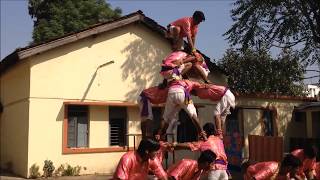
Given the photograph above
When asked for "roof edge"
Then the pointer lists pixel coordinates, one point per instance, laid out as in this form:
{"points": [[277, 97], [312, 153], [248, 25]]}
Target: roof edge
{"points": [[274, 96]]}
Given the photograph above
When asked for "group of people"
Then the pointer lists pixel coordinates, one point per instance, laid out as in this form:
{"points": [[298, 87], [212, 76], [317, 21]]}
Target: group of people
{"points": [[178, 68], [300, 164]]}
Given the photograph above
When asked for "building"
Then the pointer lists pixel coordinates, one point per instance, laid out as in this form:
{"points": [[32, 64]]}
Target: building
{"points": [[73, 99]]}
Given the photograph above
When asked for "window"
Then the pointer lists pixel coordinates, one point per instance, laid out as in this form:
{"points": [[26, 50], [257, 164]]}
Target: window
{"points": [[118, 126], [233, 123], [300, 116], [268, 123], [77, 126], [186, 130]]}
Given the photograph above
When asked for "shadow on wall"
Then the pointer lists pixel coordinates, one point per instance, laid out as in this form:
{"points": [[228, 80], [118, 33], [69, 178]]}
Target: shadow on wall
{"points": [[142, 65]]}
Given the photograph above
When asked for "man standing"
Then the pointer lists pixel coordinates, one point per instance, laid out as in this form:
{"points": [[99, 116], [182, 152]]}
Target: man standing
{"points": [[185, 27]]}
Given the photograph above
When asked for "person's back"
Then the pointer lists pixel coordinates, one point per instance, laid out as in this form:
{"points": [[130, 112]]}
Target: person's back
{"points": [[212, 92], [186, 169], [307, 156], [135, 165], [262, 170], [131, 167], [187, 26]]}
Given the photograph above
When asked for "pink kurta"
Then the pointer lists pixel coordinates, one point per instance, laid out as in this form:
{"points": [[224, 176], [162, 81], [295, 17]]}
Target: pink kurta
{"points": [[131, 167], [263, 170], [307, 164], [174, 56], [215, 144], [213, 93], [187, 26], [186, 169], [156, 95]]}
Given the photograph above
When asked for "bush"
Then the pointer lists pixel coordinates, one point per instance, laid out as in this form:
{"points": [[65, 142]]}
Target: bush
{"points": [[67, 170], [34, 171], [48, 168]]}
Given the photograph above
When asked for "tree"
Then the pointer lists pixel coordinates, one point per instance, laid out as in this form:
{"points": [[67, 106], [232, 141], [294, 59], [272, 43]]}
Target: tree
{"points": [[278, 23], [257, 72], [54, 18]]}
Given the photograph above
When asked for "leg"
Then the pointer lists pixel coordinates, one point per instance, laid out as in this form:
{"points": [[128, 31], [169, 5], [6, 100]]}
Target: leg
{"points": [[192, 112], [146, 116], [170, 112], [175, 35], [146, 128], [217, 122], [201, 72]]}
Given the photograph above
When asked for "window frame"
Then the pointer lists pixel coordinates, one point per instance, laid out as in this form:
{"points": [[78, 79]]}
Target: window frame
{"points": [[72, 150], [88, 127], [274, 111]]}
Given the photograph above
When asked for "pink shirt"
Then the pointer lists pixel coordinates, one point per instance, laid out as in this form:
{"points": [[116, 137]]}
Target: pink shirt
{"points": [[215, 144], [131, 167], [307, 164], [186, 169], [263, 170], [174, 56], [156, 95], [214, 93], [187, 27]]}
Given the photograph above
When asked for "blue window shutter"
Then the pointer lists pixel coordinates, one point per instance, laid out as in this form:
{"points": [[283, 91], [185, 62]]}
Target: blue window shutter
{"points": [[72, 131], [82, 133]]}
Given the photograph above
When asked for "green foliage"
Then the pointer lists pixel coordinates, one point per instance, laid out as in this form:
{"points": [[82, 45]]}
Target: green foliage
{"points": [[256, 72], [68, 170], [34, 171], [54, 18], [277, 23], [48, 168]]}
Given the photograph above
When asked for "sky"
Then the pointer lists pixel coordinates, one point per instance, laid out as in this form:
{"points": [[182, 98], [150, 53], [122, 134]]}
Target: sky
{"points": [[16, 23]]}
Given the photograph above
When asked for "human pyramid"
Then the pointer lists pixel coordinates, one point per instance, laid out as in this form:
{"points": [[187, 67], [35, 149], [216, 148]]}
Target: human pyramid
{"points": [[175, 92]]}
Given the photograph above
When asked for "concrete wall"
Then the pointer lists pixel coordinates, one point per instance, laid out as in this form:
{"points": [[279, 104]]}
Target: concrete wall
{"points": [[14, 126], [71, 73]]}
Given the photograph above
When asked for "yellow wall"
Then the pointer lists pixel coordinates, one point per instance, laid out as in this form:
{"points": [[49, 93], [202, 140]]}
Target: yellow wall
{"points": [[46, 132], [252, 117], [14, 118], [70, 73]]}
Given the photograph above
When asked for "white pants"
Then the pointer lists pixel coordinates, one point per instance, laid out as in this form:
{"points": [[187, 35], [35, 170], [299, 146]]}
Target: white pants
{"points": [[176, 102], [218, 175], [223, 106], [140, 103]]}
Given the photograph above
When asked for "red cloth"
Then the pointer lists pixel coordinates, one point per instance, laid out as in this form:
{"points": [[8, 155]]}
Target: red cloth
{"points": [[187, 26], [263, 170], [213, 93], [307, 164], [215, 144], [156, 95], [186, 169], [131, 167], [317, 171]]}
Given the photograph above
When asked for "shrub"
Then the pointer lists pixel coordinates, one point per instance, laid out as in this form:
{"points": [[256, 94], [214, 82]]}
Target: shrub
{"points": [[34, 171], [48, 168], [67, 170]]}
